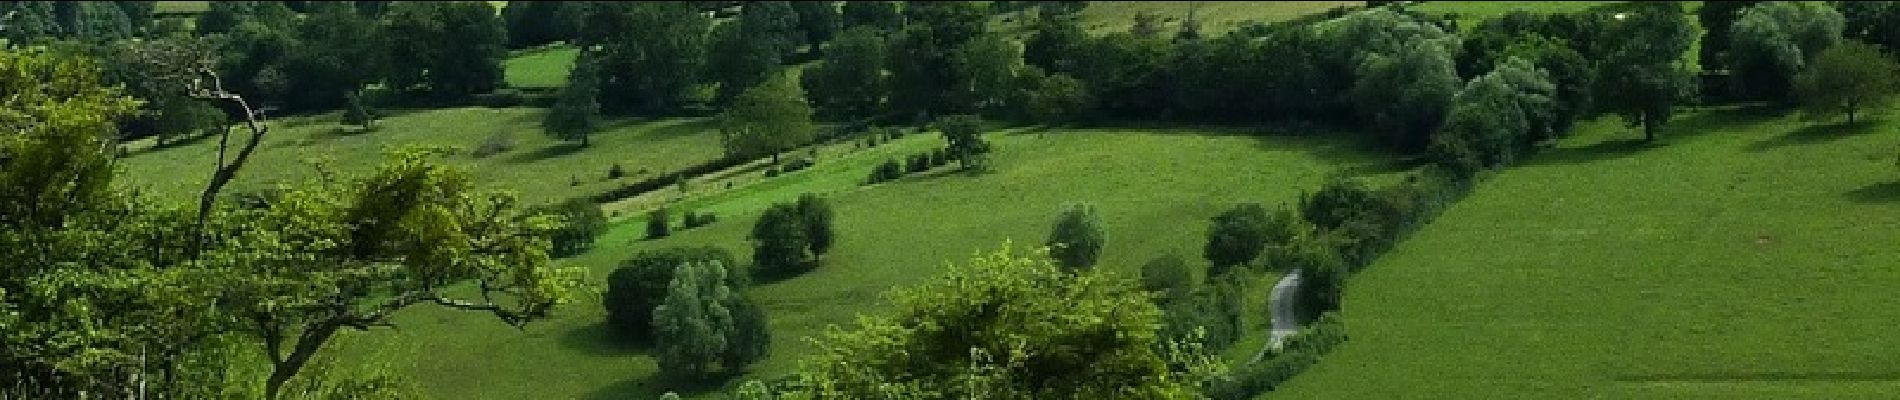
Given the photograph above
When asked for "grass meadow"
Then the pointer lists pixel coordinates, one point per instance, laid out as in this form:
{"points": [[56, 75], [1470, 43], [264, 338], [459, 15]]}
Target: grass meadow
{"points": [[540, 68], [1747, 254], [1156, 190]]}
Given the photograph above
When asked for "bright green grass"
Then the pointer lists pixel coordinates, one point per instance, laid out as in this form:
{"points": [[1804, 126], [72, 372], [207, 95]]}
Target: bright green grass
{"points": [[1476, 10], [1215, 16], [1747, 255], [540, 168], [543, 68], [1155, 190]]}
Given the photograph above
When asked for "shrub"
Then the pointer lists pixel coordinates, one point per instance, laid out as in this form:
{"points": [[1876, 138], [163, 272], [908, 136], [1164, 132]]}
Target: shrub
{"points": [[1213, 310], [1076, 240], [816, 214], [657, 225], [582, 221], [887, 171], [1236, 237], [917, 163], [939, 157], [1167, 276], [639, 284], [1300, 351], [500, 142], [771, 172], [696, 219], [616, 172], [781, 245]]}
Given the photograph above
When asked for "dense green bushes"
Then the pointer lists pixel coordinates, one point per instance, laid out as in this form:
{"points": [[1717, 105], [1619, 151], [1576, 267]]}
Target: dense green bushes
{"points": [[582, 221], [639, 284], [790, 238], [1076, 240], [706, 324], [1299, 352]]}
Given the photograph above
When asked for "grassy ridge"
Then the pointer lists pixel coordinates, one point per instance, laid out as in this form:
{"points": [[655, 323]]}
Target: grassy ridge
{"points": [[540, 169], [1747, 255], [1155, 189]]}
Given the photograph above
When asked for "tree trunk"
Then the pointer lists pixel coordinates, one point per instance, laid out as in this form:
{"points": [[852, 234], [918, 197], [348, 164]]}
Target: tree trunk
{"points": [[1649, 128], [1850, 116], [307, 345]]}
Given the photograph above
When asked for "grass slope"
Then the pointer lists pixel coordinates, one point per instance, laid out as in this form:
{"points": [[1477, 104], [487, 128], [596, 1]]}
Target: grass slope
{"points": [[1746, 255], [540, 68], [1155, 190], [539, 168], [1215, 16]]}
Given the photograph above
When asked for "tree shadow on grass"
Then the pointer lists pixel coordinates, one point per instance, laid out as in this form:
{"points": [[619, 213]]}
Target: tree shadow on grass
{"points": [[1600, 151], [601, 339], [1887, 192], [545, 153], [654, 385], [1813, 134]]}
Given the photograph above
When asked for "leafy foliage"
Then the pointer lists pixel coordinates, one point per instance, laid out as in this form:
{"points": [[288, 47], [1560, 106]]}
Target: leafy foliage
{"points": [[1236, 237], [849, 81], [705, 322], [640, 282], [1847, 78], [767, 119], [576, 113], [651, 53], [1773, 40], [1006, 326], [1642, 75], [1076, 240]]}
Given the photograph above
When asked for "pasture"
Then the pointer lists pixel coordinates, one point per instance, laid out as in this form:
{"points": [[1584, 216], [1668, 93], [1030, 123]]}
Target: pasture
{"points": [[1747, 254], [1156, 190]]}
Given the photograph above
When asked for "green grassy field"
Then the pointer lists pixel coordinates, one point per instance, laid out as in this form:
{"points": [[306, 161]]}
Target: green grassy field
{"points": [[540, 168], [1746, 255], [540, 68], [1156, 189], [1215, 16]]}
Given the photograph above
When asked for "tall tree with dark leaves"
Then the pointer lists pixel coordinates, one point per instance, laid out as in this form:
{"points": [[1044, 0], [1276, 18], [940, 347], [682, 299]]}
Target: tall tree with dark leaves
{"points": [[1643, 76], [576, 114], [775, 23], [849, 81], [923, 76], [652, 53], [881, 15], [738, 61], [817, 20]]}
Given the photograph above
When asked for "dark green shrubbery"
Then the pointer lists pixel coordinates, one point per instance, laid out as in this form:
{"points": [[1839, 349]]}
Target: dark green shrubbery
{"points": [[790, 238], [640, 283], [657, 224], [1276, 367], [885, 172], [694, 219], [582, 221]]}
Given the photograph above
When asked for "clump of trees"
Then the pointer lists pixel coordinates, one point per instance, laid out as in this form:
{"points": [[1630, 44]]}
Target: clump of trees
{"points": [[581, 222], [1077, 239], [1644, 75], [791, 238], [1772, 41], [706, 324], [640, 283]]}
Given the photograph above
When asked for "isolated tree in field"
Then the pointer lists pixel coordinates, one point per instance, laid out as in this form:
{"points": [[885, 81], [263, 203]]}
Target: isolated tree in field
{"points": [[768, 119], [738, 61], [357, 113], [816, 214], [1078, 236], [781, 244], [1643, 76], [1772, 41], [1236, 237], [576, 113], [658, 225], [705, 324], [652, 53], [964, 132], [1006, 326], [849, 81], [1847, 78], [639, 284]]}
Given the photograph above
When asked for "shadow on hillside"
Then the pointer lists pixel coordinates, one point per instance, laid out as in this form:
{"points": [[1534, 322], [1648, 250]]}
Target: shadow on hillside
{"points": [[1886, 192], [1813, 134], [1600, 151], [654, 384], [600, 339], [556, 150]]}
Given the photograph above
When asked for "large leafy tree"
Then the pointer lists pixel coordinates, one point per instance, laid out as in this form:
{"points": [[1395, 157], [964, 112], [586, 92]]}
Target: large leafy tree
{"points": [[1497, 116], [639, 284], [1008, 326], [534, 23], [576, 113], [965, 135], [652, 53], [781, 245], [1716, 17], [452, 49], [335, 54], [923, 74], [738, 61], [879, 15], [768, 119], [1847, 78], [987, 68], [706, 324], [818, 21], [1236, 237], [1643, 76], [1772, 41], [849, 81], [775, 24], [1874, 22]]}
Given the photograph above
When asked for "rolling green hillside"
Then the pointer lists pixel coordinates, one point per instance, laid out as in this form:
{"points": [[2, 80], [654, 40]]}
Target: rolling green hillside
{"points": [[1746, 255]]}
